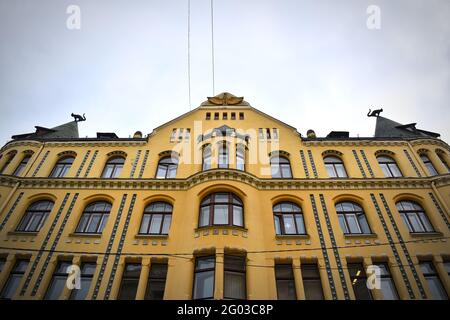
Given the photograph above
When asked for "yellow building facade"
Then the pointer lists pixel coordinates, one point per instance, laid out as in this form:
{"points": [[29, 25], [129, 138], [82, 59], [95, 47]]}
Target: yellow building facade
{"points": [[225, 202]]}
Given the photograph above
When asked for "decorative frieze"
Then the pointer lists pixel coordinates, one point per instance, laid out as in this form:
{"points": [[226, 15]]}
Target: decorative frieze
{"points": [[226, 174]]}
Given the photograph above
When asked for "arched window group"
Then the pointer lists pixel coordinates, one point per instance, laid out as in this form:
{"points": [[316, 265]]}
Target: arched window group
{"points": [[428, 164], [389, 167], [22, 165], [335, 167], [288, 218], [156, 219], [352, 218], [113, 167], [280, 167], [414, 217], [222, 208], [94, 218], [167, 168], [35, 216], [226, 209], [62, 167], [223, 160]]}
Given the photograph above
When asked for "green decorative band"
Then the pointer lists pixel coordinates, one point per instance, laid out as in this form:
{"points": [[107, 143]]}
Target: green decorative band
{"points": [[324, 248], [109, 248]]}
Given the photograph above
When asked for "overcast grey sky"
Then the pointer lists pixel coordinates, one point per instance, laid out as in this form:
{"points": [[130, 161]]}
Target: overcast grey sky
{"points": [[313, 64]]}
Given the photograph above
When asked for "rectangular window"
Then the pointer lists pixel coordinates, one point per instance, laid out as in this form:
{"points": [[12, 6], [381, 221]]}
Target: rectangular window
{"points": [[387, 283], [261, 134], [216, 116], [15, 277], [208, 116], [156, 281], [268, 133], [241, 116], [87, 273], [275, 133], [130, 281], [21, 166], [204, 277], [234, 277], [311, 282], [58, 281], [285, 282], [433, 281], [187, 135], [180, 134], [359, 279], [233, 116], [173, 135], [224, 116]]}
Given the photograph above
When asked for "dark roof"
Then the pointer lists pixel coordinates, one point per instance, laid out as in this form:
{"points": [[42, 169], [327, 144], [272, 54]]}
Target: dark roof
{"points": [[387, 128], [338, 134], [107, 135], [68, 130]]}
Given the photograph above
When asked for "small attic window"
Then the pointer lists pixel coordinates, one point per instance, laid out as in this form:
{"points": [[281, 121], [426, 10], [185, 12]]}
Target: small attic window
{"points": [[224, 116], [216, 116], [233, 116], [208, 116], [241, 116]]}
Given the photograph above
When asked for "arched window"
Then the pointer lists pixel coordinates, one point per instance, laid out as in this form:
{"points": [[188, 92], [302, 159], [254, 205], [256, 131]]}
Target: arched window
{"points": [[288, 219], [221, 209], [167, 168], [62, 167], [94, 218], [22, 165], [9, 157], [389, 167], [352, 218], [240, 157], [223, 156], [444, 162], [335, 167], [431, 169], [35, 216], [206, 160], [113, 167], [280, 167], [157, 218], [414, 217]]}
